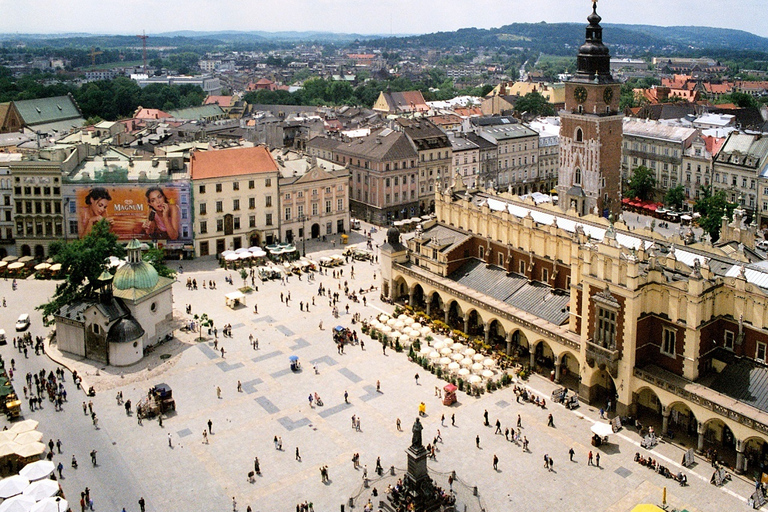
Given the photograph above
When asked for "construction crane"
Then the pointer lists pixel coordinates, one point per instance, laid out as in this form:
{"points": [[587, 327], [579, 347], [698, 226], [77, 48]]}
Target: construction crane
{"points": [[144, 38], [93, 55]]}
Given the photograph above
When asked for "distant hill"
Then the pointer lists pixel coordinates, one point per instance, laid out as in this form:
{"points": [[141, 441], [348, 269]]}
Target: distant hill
{"points": [[561, 38]]}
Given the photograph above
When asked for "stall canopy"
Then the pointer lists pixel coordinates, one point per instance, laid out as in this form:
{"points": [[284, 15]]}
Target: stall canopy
{"points": [[235, 296], [602, 429]]}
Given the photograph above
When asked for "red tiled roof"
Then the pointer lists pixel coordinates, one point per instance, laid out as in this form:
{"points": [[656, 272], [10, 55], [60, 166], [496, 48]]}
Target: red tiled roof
{"points": [[230, 162], [150, 113], [264, 81], [222, 101], [713, 144]]}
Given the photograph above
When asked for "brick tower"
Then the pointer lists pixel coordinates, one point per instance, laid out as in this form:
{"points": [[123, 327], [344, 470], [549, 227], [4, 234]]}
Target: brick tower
{"points": [[591, 130]]}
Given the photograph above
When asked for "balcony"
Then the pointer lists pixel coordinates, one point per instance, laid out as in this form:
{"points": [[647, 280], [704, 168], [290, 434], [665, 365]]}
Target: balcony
{"points": [[603, 358]]}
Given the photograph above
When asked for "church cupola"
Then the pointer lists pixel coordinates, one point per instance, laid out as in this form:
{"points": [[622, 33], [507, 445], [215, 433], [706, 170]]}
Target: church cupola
{"points": [[594, 59]]}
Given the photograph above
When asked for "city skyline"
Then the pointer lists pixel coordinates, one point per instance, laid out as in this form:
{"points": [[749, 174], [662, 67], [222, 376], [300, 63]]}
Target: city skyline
{"points": [[396, 17]]}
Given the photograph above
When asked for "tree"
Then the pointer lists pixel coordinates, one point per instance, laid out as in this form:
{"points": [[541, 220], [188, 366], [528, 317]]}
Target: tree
{"points": [[244, 276], [534, 104], [156, 257], [675, 197], [202, 321], [641, 184], [82, 262], [712, 208]]}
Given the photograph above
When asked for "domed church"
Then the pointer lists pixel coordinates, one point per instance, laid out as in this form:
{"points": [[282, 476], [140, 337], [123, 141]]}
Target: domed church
{"points": [[133, 309]]}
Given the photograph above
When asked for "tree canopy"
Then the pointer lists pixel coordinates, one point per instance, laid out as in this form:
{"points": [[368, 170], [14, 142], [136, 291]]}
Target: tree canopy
{"points": [[675, 197], [641, 184], [82, 262], [712, 208], [534, 104]]}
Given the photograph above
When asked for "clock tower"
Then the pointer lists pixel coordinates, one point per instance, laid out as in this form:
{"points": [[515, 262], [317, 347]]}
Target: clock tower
{"points": [[591, 127]]}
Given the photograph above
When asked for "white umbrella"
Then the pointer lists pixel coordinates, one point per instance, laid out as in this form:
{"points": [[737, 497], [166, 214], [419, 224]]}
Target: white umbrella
{"points": [[386, 329], [37, 470], [489, 363], [434, 356], [399, 325], [31, 436], [402, 317], [227, 253], [50, 505], [602, 429], [478, 357], [445, 361], [416, 325], [12, 486], [42, 489], [383, 317], [439, 345], [487, 374], [30, 449], [475, 379], [446, 351], [391, 322], [17, 504], [469, 352], [24, 426], [458, 347], [477, 367], [463, 372], [258, 253], [457, 357], [425, 331], [453, 367], [425, 350], [244, 255], [408, 320], [241, 250], [413, 334], [7, 436], [404, 339], [466, 362], [232, 257]]}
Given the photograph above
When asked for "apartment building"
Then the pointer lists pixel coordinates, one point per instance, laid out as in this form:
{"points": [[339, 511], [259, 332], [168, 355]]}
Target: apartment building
{"points": [[738, 168]]}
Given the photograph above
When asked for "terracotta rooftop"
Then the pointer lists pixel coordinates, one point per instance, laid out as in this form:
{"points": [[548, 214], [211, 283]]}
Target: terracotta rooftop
{"points": [[222, 101], [231, 162]]}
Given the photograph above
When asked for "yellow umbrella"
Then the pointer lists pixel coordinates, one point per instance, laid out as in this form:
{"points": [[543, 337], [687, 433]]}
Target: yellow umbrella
{"points": [[3, 264], [6, 436], [29, 450], [42, 266], [55, 267], [15, 266], [646, 507], [32, 436], [8, 448]]}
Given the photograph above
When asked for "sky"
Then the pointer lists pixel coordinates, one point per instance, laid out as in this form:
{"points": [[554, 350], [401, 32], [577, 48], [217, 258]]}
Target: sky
{"points": [[360, 16]]}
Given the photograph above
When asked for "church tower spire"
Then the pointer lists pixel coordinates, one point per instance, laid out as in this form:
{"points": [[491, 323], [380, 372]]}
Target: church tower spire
{"points": [[594, 59]]}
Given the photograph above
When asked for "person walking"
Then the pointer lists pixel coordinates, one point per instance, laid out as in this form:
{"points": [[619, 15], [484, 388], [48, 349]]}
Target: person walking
{"points": [[170, 440], [495, 462], [398, 425], [550, 421], [218, 392], [210, 426], [589, 458], [485, 418], [477, 441], [597, 459], [453, 420], [142, 504], [571, 453], [519, 421], [346, 397], [298, 456], [498, 427], [417, 378]]}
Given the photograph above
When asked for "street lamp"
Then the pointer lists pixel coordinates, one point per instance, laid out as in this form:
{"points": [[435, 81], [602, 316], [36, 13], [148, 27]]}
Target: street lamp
{"points": [[303, 220]]}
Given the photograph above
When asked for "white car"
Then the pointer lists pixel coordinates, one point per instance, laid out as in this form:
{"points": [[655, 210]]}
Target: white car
{"points": [[23, 322]]}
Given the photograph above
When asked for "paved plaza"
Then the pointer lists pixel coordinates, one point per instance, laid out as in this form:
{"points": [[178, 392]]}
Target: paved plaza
{"points": [[136, 460]]}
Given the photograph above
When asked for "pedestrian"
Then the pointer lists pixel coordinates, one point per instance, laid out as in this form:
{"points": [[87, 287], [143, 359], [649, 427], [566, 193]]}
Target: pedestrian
{"points": [[589, 458], [546, 460], [60, 468], [218, 392], [210, 425], [398, 425], [571, 453], [442, 420], [550, 421], [417, 378], [142, 504], [234, 504], [551, 464], [378, 386], [477, 441], [525, 443], [222, 352], [85, 409], [498, 427], [298, 456], [519, 421], [346, 397], [239, 387], [275, 441], [495, 462], [365, 472], [485, 418], [256, 466], [453, 420], [597, 459], [170, 440], [205, 437]]}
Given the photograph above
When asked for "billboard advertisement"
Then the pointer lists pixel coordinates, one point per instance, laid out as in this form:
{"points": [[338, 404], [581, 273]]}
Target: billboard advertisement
{"points": [[148, 212]]}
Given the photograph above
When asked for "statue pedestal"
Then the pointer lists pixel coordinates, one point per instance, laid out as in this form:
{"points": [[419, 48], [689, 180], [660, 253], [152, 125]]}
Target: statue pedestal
{"points": [[417, 463], [419, 487]]}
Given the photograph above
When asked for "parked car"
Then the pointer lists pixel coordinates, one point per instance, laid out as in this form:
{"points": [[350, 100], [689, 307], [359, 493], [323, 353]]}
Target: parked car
{"points": [[23, 322]]}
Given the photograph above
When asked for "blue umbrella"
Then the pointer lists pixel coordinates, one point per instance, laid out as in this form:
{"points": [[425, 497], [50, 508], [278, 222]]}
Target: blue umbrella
{"points": [[338, 328], [293, 358]]}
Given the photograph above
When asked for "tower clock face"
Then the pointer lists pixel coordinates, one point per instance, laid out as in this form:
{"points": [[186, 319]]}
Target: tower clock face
{"points": [[580, 93], [608, 95]]}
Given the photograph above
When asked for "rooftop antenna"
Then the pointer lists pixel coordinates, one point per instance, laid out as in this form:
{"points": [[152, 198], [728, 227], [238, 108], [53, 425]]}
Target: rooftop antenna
{"points": [[143, 38]]}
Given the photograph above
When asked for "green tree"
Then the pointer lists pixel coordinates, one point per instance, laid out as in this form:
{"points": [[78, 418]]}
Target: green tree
{"points": [[156, 257], [712, 208], [534, 104], [675, 197], [244, 276], [641, 184], [202, 321], [82, 262]]}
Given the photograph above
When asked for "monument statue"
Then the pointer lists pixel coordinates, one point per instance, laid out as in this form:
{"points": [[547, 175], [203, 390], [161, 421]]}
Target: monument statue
{"points": [[416, 440]]}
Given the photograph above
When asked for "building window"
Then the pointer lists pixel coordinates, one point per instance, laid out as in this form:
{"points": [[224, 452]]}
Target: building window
{"points": [[218, 187], [269, 219], [251, 184], [72, 227], [268, 200], [288, 213], [287, 196], [236, 221], [577, 177], [203, 209], [606, 328], [204, 249], [252, 221], [235, 185], [268, 182], [544, 275], [521, 266], [668, 342], [500, 259], [481, 252], [728, 340], [251, 203], [219, 207], [339, 205], [219, 224], [300, 210], [235, 204], [202, 189], [203, 227]]}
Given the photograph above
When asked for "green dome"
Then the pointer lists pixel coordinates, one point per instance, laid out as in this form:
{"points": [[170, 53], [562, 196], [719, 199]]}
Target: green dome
{"points": [[140, 275]]}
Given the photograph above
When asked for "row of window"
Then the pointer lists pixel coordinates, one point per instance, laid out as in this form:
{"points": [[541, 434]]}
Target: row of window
{"points": [[39, 228], [636, 146], [203, 226], [300, 209], [236, 185], [38, 207], [300, 193], [37, 191]]}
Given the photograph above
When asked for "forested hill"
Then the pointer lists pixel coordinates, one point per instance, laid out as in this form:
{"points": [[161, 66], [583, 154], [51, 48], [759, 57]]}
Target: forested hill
{"points": [[561, 38]]}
